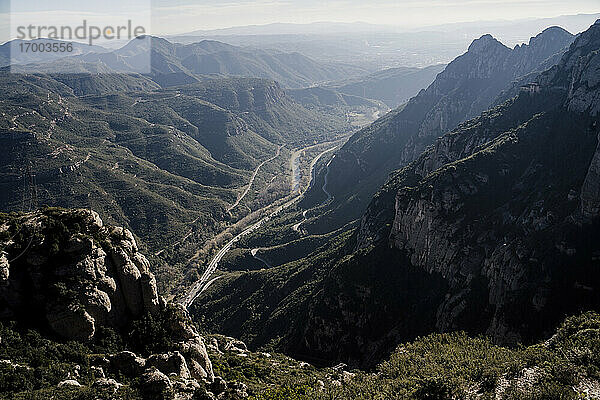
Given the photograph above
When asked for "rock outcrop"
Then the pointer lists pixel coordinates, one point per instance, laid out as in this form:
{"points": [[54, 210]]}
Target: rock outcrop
{"points": [[76, 272], [169, 363], [492, 210], [65, 272]]}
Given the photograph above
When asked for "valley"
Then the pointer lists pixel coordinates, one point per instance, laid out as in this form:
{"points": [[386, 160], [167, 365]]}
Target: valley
{"points": [[330, 278], [268, 212]]}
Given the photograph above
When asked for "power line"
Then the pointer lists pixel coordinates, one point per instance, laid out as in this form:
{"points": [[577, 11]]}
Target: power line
{"points": [[29, 198]]}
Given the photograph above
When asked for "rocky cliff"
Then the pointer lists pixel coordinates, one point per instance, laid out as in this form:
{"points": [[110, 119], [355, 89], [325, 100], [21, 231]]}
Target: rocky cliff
{"points": [[492, 223], [468, 85], [67, 275], [75, 271], [502, 207]]}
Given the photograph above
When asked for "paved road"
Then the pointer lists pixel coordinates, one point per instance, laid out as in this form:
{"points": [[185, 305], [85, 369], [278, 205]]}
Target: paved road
{"points": [[237, 202], [205, 280], [297, 226], [191, 230]]}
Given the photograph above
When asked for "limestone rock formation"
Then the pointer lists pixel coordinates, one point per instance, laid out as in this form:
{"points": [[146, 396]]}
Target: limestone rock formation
{"points": [[78, 271], [170, 363], [155, 385], [65, 271], [489, 209], [197, 358], [127, 363]]}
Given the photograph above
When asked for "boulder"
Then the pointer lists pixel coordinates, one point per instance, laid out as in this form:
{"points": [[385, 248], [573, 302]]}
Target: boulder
{"points": [[180, 324], [127, 363], [155, 385], [199, 363], [101, 267], [204, 395], [213, 344], [4, 269], [107, 384], [235, 345], [170, 363], [219, 385], [98, 305], [69, 382], [98, 371], [71, 322], [240, 390]]}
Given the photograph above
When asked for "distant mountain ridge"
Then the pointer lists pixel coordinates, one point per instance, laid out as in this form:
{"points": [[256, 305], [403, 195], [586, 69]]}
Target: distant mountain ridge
{"points": [[182, 63], [393, 86]]}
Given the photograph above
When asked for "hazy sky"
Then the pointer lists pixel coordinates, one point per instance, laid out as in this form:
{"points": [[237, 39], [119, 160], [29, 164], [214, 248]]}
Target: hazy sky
{"points": [[179, 16], [187, 15]]}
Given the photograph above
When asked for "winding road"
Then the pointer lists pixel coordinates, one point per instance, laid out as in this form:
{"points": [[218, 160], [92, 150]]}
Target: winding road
{"points": [[237, 202], [296, 227], [254, 253], [205, 280]]}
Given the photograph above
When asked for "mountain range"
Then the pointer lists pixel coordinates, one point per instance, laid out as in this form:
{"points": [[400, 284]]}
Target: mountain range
{"points": [[393, 86], [377, 47], [489, 229], [468, 85], [164, 162], [173, 63]]}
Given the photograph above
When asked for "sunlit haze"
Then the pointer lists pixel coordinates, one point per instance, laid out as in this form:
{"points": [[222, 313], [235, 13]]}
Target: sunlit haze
{"points": [[182, 16]]}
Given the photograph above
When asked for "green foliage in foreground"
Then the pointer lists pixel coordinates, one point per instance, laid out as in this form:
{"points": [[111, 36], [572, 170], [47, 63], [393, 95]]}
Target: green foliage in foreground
{"points": [[32, 366], [445, 366], [438, 366]]}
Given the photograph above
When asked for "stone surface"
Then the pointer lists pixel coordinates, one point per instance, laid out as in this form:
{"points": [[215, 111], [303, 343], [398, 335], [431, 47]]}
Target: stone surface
{"points": [[127, 363], [199, 363], [4, 269], [469, 85], [73, 323], [107, 384], [102, 264], [155, 385], [170, 363], [78, 276], [69, 382], [590, 191], [219, 385]]}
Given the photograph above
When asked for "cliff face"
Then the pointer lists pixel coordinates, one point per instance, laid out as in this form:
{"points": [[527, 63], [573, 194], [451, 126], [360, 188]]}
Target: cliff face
{"points": [[493, 229], [511, 211], [65, 273], [468, 86]]}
